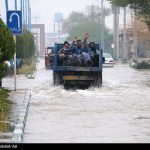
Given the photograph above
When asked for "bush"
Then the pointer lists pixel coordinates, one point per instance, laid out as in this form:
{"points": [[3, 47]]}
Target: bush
{"points": [[4, 70], [5, 107], [7, 48], [7, 45], [143, 65], [25, 46]]}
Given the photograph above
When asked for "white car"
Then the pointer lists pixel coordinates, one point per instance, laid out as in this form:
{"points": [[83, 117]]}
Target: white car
{"points": [[108, 58], [8, 63]]}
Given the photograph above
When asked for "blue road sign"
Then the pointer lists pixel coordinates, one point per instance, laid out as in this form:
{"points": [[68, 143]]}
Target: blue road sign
{"points": [[14, 21]]}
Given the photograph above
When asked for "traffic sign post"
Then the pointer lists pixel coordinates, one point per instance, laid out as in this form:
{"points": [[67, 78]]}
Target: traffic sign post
{"points": [[15, 72], [14, 22]]}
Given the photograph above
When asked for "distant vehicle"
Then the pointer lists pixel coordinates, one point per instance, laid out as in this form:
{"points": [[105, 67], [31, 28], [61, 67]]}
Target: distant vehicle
{"points": [[8, 63], [49, 57], [11, 63], [108, 58], [11, 66]]}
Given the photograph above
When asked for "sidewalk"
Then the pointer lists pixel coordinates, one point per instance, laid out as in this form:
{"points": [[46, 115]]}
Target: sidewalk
{"points": [[17, 98]]}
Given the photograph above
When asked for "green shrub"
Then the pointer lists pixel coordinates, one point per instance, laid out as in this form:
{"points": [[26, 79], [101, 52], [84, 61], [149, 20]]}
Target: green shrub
{"points": [[5, 104], [25, 46], [7, 48], [143, 65]]}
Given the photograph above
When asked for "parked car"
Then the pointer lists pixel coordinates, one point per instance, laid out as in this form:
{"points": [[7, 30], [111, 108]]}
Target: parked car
{"points": [[11, 63], [49, 54], [8, 63], [108, 58]]}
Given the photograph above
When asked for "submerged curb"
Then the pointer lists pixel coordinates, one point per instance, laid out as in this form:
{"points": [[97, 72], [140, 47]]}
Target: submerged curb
{"points": [[32, 76], [20, 125]]}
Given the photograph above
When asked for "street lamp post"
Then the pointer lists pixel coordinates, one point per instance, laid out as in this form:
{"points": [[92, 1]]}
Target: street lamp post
{"points": [[6, 3], [102, 25], [115, 11], [124, 37], [54, 32], [135, 42], [58, 19], [59, 32], [102, 34], [15, 4]]}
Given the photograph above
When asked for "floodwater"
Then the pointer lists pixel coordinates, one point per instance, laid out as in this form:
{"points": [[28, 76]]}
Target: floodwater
{"points": [[117, 112]]}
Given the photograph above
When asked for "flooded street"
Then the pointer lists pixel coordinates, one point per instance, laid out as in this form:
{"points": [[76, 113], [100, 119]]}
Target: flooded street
{"points": [[116, 112], [76, 37]]}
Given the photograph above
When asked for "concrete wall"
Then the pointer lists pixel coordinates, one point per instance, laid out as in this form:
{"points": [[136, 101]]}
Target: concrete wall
{"points": [[42, 37]]}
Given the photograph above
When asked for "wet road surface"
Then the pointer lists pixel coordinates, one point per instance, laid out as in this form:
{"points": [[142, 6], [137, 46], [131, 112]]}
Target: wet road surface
{"points": [[116, 112]]}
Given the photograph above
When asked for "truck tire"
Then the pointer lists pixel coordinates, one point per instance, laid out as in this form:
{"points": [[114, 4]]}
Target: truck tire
{"points": [[101, 77], [98, 79], [56, 79]]}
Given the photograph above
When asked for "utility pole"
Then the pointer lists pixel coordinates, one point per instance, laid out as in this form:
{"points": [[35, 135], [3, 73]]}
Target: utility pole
{"points": [[6, 3], [23, 13], [115, 10], [124, 37], [117, 35], [135, 39], [58, 19], [54, 33], [102, 25], [15, 4], [26, 12], [21, 8], [59, 32], [29, 16]]}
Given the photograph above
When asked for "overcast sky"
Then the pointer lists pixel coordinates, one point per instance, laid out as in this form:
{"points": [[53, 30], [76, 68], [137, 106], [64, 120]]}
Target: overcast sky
{"points": [[43, 10]]}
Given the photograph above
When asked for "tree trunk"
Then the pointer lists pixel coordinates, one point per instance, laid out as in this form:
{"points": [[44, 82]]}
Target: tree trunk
{"points": [[0, 83]]}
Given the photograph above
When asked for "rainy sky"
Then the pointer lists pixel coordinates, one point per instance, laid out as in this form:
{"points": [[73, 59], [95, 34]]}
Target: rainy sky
{"points": [[43, 10]]}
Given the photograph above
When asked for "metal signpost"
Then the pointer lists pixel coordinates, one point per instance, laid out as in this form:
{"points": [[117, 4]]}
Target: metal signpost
{"points": [[14, 22]]}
